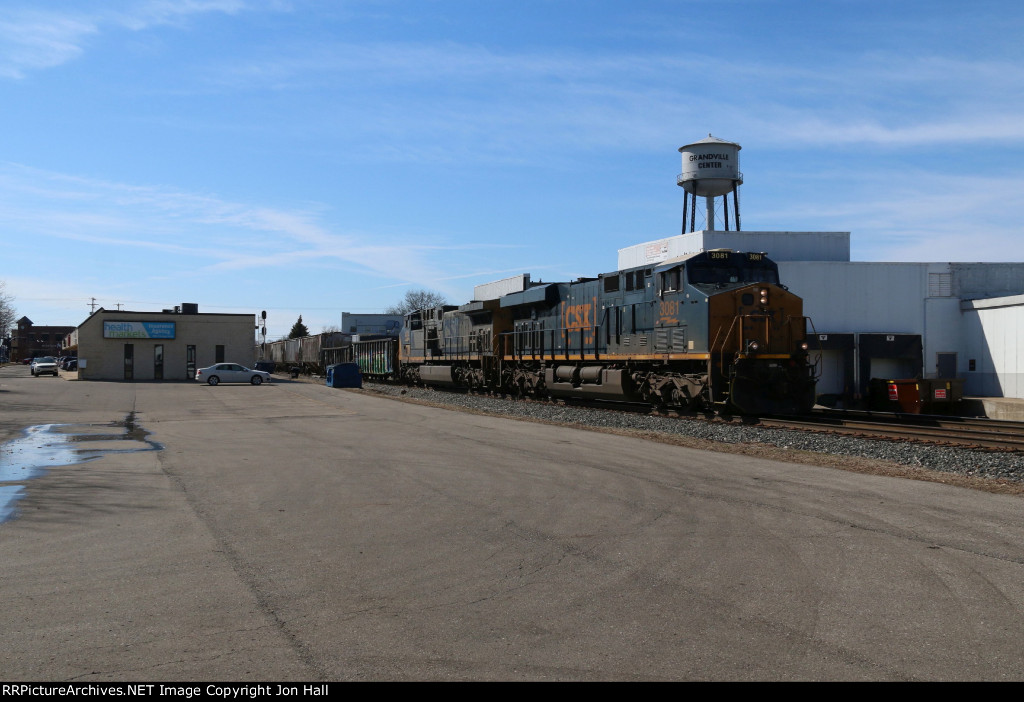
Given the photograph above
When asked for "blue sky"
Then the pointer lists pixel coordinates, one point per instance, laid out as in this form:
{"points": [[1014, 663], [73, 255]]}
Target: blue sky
{"points": [[318, 156]]}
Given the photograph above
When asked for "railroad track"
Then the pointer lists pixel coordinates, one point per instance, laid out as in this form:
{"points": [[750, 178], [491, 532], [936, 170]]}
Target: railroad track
{"points": [[985, 434], [960, 432]]}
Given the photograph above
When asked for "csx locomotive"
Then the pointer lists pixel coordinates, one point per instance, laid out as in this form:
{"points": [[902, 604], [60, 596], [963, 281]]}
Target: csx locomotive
{"points": [[712, 331]]}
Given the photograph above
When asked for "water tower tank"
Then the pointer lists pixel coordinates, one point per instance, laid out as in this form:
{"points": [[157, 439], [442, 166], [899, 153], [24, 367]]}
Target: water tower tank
{"points": [[711, 167]]}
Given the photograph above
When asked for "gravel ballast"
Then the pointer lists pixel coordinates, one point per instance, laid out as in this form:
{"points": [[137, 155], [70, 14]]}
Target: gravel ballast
{"points": [[992, 471]]}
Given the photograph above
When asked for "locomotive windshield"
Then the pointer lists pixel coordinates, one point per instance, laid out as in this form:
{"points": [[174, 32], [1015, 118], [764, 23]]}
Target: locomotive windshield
{"points": [[728, 268]]}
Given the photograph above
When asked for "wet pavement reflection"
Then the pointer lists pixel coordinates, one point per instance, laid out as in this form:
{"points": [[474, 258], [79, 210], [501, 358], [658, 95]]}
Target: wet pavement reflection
{"points": [[47, 446]]}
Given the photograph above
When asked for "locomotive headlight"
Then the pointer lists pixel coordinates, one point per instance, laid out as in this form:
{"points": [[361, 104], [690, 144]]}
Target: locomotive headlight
{"points": [[753, 346], [803, 346], [764, 295]]}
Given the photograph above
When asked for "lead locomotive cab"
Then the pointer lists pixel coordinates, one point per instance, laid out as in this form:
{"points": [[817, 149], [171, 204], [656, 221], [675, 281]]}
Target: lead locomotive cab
{"points": [[757, 334]]}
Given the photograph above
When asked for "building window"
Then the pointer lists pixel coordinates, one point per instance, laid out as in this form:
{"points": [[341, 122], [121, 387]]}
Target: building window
{"points": [[219, 354]]}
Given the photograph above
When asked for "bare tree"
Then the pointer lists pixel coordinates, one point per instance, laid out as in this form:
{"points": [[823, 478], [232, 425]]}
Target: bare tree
{"points": [[7, 312], [417, 300]]}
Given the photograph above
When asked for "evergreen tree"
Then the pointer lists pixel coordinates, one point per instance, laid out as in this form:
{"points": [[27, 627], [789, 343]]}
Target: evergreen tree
{"points": [[298, 329]]}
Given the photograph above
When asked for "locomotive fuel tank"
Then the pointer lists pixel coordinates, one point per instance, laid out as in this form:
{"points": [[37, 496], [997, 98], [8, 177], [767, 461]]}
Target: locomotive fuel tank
{"points": [[592, 382]]}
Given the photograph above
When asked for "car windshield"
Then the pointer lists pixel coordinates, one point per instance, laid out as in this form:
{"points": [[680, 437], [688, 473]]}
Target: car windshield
{"points": [[46, 359]]}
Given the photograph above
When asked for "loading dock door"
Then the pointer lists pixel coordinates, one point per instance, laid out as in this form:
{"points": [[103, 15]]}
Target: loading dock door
{"points": [[831, 380], [891, 356], [833, 354]]}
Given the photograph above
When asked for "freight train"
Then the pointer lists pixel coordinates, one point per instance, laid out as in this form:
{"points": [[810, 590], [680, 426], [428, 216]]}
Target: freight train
{"points": [[712, 331], [310, 353]]}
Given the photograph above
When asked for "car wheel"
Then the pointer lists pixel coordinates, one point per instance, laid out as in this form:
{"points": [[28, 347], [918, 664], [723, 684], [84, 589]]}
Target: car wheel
{"points": [[256, 380], [33, 373], [213, 380]]}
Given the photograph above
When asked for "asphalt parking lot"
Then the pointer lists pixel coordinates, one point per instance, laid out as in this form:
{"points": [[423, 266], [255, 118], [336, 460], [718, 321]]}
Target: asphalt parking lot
{"points": [[297, 532]]}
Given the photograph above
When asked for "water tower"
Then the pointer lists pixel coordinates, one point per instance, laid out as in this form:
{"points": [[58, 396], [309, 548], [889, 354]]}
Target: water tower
{"points": [[711, 168]]}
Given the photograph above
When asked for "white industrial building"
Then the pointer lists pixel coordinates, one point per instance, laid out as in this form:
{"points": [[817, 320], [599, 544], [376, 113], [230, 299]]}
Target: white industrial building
{"points": [[994, 337]]}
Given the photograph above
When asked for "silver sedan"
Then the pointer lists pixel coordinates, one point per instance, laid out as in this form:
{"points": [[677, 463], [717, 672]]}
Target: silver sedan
{"points": [[231, 373]]}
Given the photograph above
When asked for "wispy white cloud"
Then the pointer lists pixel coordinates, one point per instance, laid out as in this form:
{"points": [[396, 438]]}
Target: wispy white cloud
{"points": [[34, 39], [911, 215], [470, 99], [212, 234]]}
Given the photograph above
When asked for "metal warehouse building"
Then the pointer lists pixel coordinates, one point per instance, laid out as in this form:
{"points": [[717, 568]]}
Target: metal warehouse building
{"points": [[995, 342], [886, 320], [167, 345]]}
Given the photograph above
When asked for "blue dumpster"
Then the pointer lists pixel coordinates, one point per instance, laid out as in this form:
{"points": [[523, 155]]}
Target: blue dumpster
{"points": [[344, 375]]}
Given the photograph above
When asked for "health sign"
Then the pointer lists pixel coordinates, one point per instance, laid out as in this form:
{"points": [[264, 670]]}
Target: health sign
{"points": [[138, 330]]}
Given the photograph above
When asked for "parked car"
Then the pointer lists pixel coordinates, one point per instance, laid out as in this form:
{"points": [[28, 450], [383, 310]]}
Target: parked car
{"points": [[43, 365], [231, 373], [69, 364]]}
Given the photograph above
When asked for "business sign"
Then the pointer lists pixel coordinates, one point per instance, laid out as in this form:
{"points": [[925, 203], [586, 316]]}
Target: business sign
{"points": [[138, 330]]}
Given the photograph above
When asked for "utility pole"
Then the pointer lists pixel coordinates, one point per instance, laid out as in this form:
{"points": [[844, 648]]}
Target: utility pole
{"points": [[92, 306]]}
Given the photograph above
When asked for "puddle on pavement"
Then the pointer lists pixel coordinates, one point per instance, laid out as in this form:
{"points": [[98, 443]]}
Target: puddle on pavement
{"points": [[47, 446]]}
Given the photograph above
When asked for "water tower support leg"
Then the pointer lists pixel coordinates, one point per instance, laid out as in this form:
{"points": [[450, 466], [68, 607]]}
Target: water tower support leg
{"points": [[686, 201], [736, 204]]}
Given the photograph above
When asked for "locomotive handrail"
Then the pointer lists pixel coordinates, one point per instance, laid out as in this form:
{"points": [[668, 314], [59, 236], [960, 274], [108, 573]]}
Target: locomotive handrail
{"points": [[542, 345], [711, 349], [821, 351]]}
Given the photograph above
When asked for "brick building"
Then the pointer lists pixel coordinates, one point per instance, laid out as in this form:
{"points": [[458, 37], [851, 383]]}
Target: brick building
{"points": [[29, 340]]}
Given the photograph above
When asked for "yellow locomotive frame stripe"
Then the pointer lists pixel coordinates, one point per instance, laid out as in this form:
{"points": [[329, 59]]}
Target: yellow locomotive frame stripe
{"points": [[777, 356], [441, 360], [595, 357]]}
